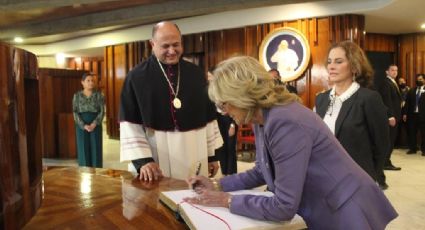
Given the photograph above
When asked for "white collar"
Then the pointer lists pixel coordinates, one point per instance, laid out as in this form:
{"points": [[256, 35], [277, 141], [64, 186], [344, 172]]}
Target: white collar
{"points": [[347, 94]]}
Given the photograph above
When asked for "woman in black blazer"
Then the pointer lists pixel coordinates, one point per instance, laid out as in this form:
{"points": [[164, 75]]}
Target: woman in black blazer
{"points": [[354, 113]]}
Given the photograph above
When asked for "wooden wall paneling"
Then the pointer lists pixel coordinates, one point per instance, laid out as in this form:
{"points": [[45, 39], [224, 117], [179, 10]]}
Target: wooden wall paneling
{"points": [[70, 63], [314, 30], [121, 70], [414, 56], [109, 82], [420, 52], [57, 87], [421, 62], [119, 61], [67, 147], [199, 43], [188, 43], [132, 50], [87, 65], [252, 43], [380, 42], [109, 89], [347, 28], [215, 53], [234, 42], [206, 41], [193, 43], [410, 66], [411, 60], [336, 29], [316, 79], [360, 28], [405, 64], [46, 109]]}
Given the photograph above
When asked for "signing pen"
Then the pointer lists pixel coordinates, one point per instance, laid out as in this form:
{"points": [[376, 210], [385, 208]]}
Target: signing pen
{"points": [[198, 170]]}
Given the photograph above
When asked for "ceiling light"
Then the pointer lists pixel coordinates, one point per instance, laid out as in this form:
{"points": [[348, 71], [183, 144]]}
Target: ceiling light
{"points": [[18, 39], [423, 26]]}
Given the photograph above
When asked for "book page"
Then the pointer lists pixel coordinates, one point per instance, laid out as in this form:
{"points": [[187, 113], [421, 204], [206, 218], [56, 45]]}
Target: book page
{"points": [[202, 217]]}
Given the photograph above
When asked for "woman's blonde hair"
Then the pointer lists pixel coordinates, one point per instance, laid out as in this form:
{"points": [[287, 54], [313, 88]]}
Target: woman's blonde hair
{"points": [[244, 83]]}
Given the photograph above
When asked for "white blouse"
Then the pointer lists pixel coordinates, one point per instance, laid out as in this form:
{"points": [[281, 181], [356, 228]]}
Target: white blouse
{"points": [[336, 104]]}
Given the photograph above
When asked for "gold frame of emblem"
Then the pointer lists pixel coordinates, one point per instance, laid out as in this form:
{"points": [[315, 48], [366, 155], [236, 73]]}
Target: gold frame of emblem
{"points": [[296, 34]]}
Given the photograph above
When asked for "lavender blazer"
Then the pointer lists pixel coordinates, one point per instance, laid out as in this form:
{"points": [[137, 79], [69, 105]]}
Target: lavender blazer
{"points": [[310, 173]]}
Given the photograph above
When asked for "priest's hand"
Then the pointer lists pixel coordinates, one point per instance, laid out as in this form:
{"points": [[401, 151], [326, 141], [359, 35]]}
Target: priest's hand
{"points": [[211, 198], [150, 172], [213, 168]]}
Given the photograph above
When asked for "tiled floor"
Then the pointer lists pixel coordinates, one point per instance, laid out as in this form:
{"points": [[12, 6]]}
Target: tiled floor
{"points": [[406, 191]]}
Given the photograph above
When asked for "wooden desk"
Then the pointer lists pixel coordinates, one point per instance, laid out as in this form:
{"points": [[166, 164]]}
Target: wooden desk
{"points": [[88, 198]]}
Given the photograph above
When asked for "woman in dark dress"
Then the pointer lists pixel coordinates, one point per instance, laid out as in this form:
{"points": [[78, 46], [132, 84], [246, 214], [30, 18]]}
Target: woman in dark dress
{"points": [[88, 110]]}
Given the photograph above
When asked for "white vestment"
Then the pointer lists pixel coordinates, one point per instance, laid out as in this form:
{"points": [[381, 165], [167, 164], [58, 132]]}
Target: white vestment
{"points": [[176, 152]]}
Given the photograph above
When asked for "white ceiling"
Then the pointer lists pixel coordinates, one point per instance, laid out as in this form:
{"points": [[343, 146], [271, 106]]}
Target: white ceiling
{"points": [[396, 17], [382, 16]]}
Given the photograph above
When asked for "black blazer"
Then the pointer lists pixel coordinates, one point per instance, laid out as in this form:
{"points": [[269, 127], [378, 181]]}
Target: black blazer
{"points": [[392, 98], [361, 128], [409, 106]]}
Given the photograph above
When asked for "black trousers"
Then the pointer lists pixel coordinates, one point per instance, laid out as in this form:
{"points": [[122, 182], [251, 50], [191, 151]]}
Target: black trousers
{"points": [[227, 153], [380, 177], [413, 126], [393, 137]]}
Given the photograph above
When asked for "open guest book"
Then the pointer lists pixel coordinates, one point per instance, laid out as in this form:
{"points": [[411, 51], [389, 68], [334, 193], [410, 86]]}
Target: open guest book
{"points": [[203, 218]]}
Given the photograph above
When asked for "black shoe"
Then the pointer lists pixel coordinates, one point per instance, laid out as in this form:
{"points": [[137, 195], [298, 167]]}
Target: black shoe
{"points": [[411, 152], [392, 167], [383, 186], [423, 154]]}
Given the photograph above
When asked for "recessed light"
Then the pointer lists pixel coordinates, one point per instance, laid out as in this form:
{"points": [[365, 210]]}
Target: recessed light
{"points": [[18, 39]]}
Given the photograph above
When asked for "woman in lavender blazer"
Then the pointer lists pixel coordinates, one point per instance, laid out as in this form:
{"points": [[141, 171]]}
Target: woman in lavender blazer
{"points": [[297, 157]]}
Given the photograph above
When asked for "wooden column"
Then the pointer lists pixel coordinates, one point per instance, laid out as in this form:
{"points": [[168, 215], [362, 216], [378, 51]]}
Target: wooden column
{"points": [[20, 138]]}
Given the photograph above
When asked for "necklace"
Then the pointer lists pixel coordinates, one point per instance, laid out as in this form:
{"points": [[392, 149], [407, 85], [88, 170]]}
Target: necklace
{"points": [[176, 101]]}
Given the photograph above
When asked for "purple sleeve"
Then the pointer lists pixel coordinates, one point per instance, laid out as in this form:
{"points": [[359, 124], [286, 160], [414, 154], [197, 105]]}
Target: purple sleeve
{"points": [[250, 179], [290, 146]]}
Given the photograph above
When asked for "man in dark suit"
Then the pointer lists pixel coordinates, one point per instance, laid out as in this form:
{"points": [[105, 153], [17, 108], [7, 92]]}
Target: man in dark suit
{"points": [[414, 114], [276, 75], [392, 99]]}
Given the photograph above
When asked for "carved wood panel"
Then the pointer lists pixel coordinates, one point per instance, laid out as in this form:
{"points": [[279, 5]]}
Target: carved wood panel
{"points": [[20, 145], [57, 87]]}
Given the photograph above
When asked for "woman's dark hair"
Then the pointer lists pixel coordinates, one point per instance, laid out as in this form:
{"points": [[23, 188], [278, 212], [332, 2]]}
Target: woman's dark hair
{"points": [[85, 76], [360, 66]]}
